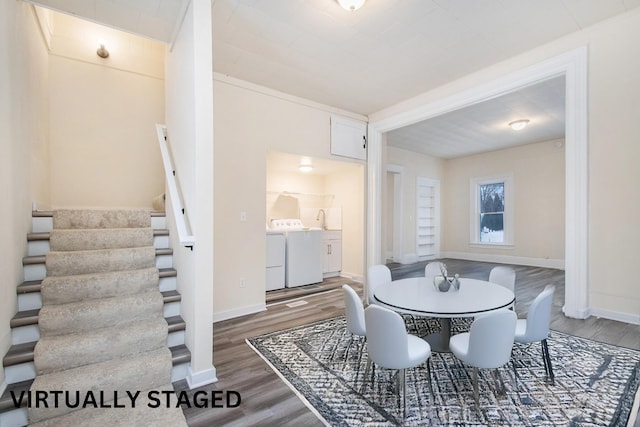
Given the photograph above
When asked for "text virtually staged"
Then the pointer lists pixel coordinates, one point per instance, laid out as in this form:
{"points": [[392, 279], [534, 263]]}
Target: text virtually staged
{"points": [[128, 399]]}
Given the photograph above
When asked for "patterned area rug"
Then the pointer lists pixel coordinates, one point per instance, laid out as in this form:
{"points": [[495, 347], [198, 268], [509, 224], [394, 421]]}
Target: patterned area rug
{"points": [[595, 383]]}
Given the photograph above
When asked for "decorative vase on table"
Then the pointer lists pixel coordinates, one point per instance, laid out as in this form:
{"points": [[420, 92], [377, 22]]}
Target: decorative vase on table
{"points": [[441, 283], [445, 283]]}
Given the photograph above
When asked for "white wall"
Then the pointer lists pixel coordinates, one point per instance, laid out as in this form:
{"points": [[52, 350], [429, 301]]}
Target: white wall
{"points": [[103, 116], [189, 113], [24, 86], [310, 189], [612, 145], [614, 199], [348, 187], [538, 180], [250, 122]]}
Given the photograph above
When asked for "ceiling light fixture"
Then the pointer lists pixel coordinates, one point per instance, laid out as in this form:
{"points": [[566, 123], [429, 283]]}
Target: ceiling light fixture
{"points": [[351, 5], [305, 168], [519, 124], [102, 51]]}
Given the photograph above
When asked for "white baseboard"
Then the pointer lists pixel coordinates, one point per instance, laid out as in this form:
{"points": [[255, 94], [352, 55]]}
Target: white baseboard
{"points": [[633, 319], [243, 311], [506, 259], [198, 379]]}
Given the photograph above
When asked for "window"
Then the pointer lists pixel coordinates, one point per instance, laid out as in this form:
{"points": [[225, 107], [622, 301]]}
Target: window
{"points": [[491, 210]]}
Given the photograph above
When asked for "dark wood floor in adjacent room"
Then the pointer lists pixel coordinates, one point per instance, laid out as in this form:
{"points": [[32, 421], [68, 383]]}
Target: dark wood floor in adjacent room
{"points": [[268, 401]]}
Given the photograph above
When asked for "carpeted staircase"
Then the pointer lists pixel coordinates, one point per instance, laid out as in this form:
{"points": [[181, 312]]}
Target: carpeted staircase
{"points": [[102, 327]]}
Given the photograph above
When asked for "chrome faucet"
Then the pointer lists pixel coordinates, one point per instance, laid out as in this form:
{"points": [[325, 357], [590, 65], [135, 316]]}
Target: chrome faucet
{"points": [[324, 218]]}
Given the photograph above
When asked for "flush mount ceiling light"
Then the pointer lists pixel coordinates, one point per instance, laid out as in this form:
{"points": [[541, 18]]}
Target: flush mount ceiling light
{"points": [[519, 124], [305, 168], [351, 5]]}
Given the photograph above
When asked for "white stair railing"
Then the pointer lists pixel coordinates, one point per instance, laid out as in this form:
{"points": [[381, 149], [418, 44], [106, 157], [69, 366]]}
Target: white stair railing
{"points": [[185, 236]]}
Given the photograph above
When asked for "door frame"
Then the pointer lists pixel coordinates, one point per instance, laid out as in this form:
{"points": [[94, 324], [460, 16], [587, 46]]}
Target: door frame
{"points": [[398, 208]]}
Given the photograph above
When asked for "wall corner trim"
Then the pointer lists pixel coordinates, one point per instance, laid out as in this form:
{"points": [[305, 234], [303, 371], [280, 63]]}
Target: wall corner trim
{"points": [[201, 378]]}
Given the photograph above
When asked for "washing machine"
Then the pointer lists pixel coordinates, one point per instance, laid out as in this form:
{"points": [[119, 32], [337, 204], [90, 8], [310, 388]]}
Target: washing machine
{"points": [[303, 260]]}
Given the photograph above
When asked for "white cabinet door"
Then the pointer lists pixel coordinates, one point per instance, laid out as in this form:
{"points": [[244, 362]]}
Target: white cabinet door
{"points": [[332, 244], [332, 256], [348, 137]]}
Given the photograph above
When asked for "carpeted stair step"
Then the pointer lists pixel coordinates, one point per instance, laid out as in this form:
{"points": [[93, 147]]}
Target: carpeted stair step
{"points": [[99, 261], [38, 242], [143, 371], [93, 239], [42, 221], [24, 324], [179, 354], [144, 413], [30, 317], [95, 314], [33, 286], [70, 218], [67, 289], [23, 353], [60, 352], [34, 265]]}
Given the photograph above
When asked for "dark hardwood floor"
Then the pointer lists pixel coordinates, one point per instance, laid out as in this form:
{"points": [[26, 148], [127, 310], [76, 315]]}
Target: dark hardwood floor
{"points": [[268, 401]]}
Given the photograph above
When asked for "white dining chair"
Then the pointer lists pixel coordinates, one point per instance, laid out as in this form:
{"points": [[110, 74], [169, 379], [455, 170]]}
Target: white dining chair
{"points": [[376, 275], [431, 270], [391, 347], [536, 326], [488, 343], [506, 277], [354, 312]]}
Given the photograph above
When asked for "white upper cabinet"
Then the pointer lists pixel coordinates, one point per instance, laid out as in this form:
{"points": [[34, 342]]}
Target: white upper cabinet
{"points": [[348, 137]]}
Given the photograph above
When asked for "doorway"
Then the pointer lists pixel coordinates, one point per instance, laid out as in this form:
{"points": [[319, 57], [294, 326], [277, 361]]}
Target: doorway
{"points": [[573, 66], [329, 194]]}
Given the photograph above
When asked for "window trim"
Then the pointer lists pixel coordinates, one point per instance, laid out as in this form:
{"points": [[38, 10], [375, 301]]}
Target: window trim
{"points": [[474, 209]]}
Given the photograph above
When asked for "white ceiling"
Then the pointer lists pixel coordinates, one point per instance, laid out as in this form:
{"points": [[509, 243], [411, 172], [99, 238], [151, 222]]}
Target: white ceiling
{"points": [[154, 19], [485, 126], [389, 50], [384, 53]]}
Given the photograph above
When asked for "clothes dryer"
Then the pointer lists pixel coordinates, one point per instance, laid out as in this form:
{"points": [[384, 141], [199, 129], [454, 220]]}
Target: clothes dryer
{"points": [[303, 262]]}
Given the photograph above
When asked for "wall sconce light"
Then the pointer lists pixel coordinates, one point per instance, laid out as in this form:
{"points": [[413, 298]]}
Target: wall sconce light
{"points": [[305, 168], [519, 124], [351, 5], [102, 51]]}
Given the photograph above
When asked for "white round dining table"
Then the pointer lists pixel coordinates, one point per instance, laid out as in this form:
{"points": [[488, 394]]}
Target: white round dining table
{"points": [[417, 296]]}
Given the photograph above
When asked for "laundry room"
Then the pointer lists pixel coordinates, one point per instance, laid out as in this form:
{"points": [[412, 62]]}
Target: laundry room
{"points": [[315, 215]]}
